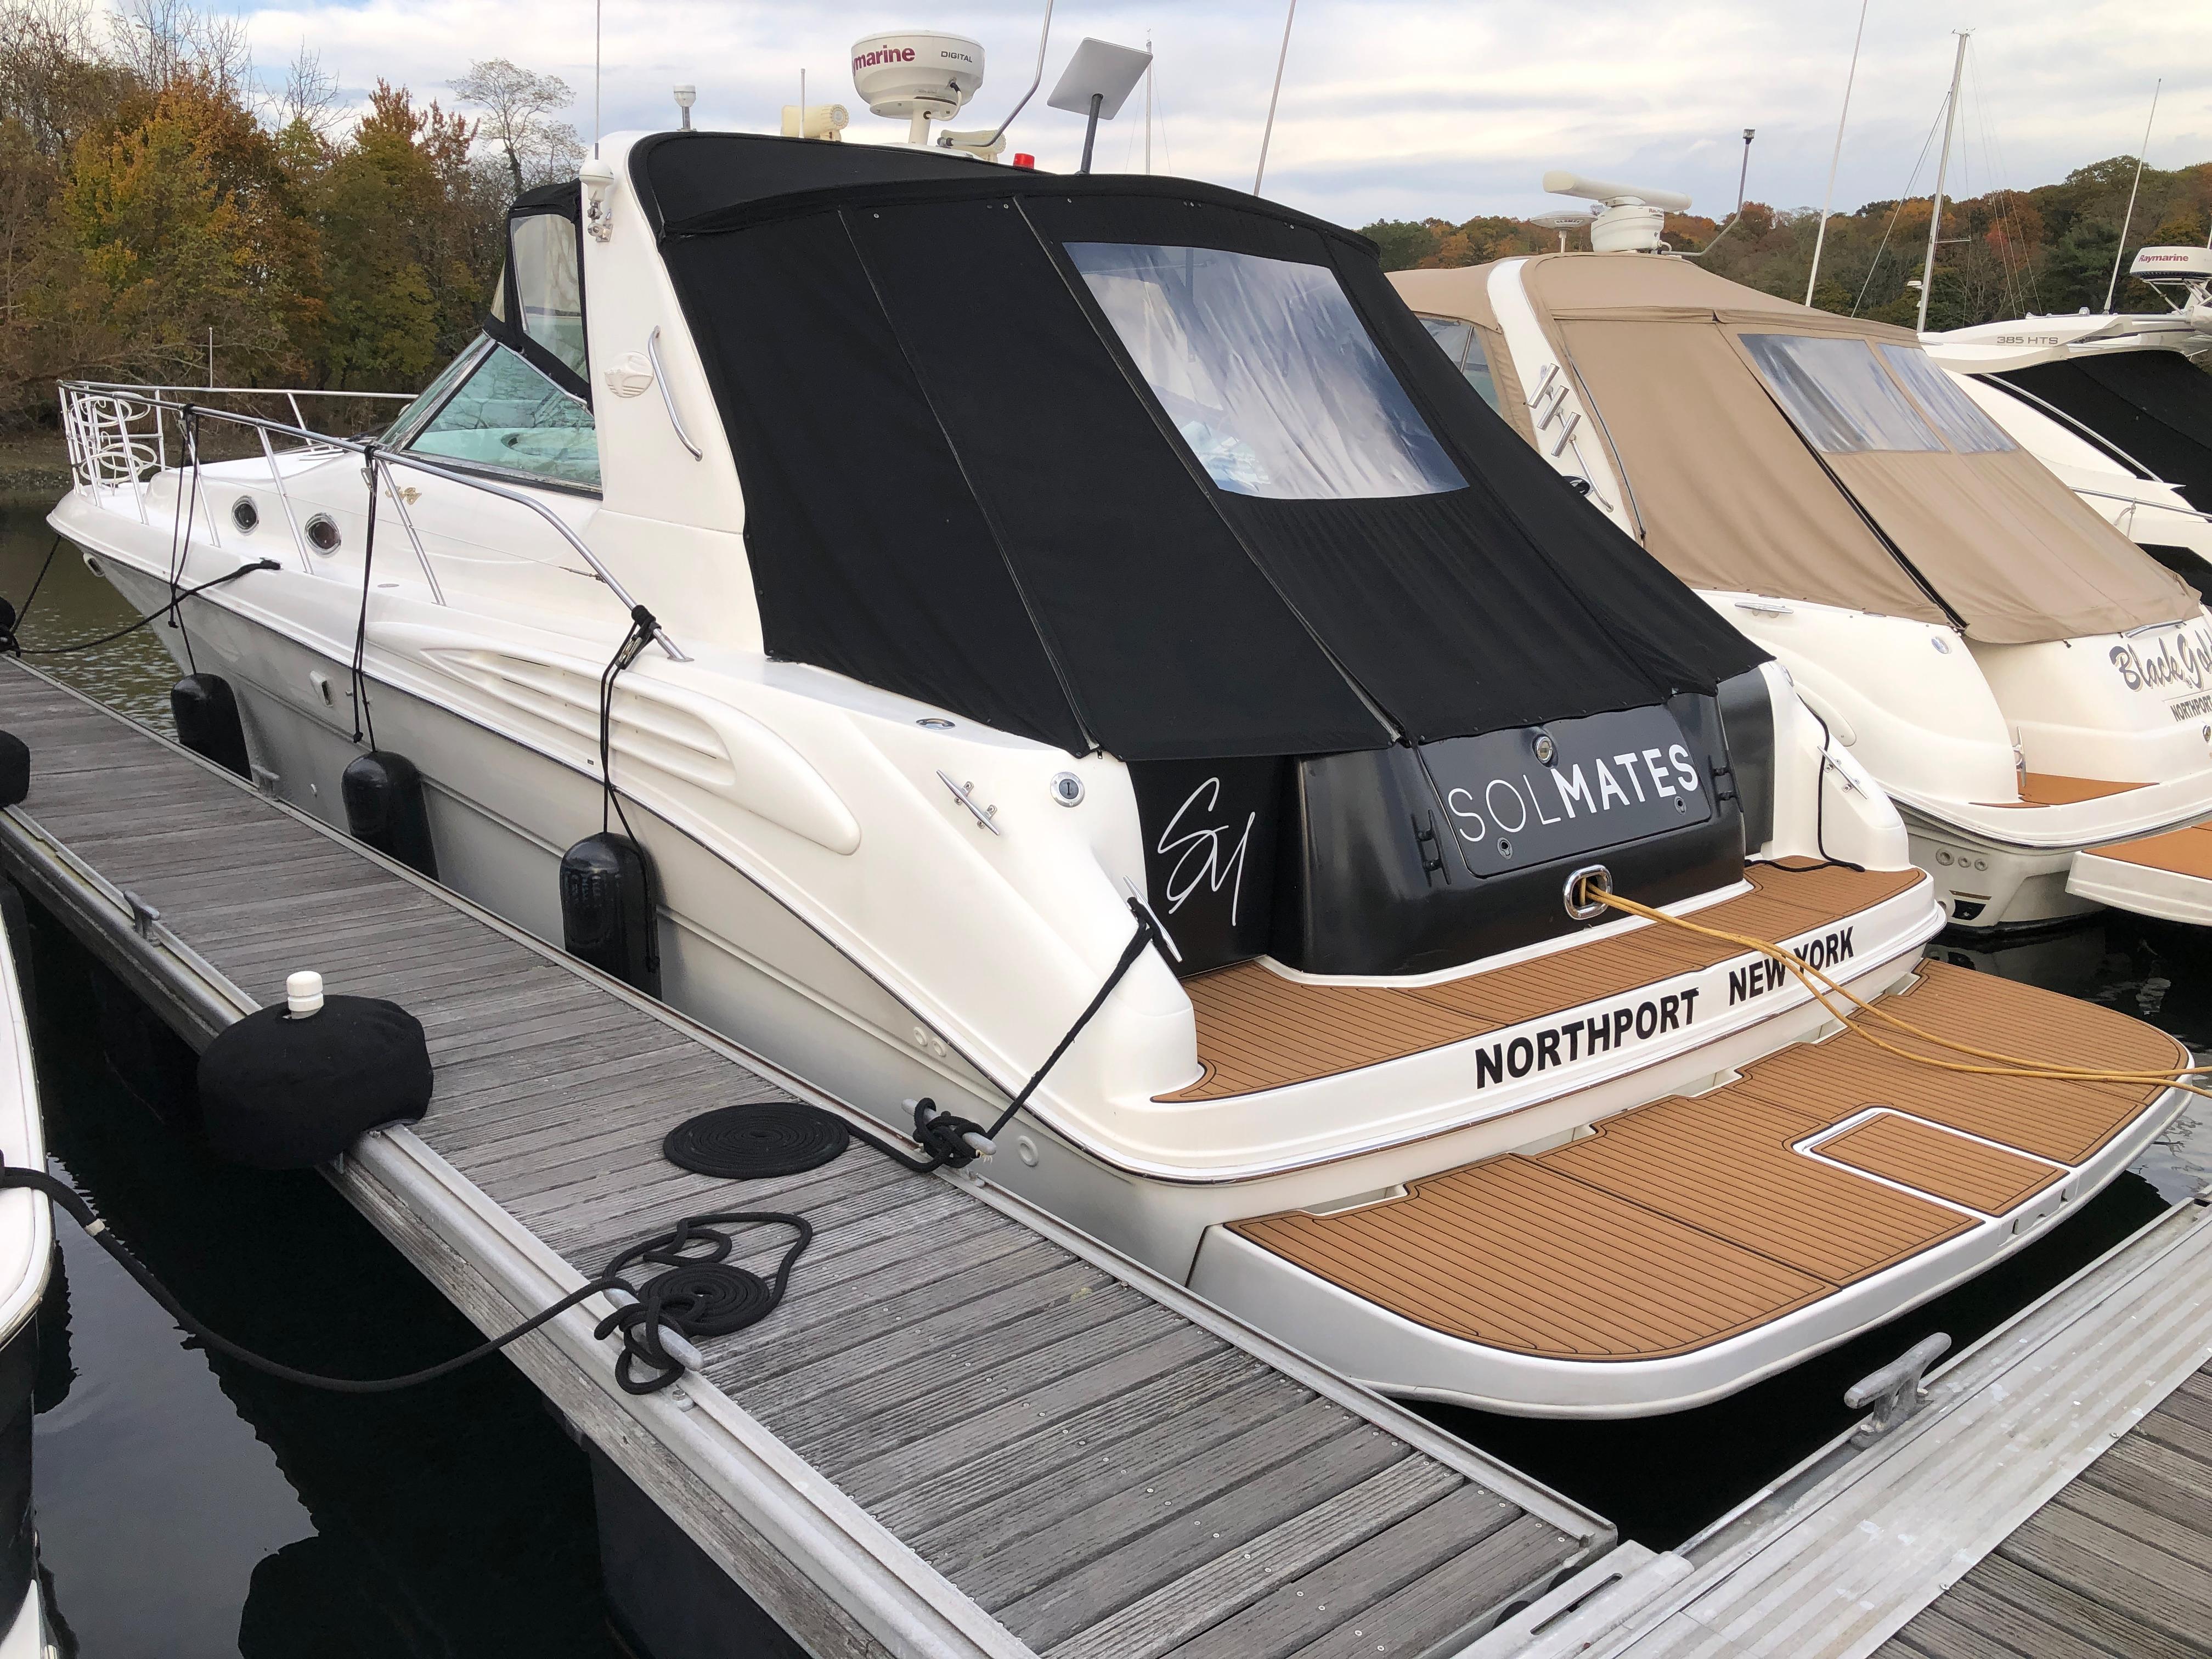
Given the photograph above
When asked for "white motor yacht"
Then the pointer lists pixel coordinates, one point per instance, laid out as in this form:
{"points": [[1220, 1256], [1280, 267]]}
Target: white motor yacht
{"points": [[2117, 405], [1024, 557], [2032, 690]]}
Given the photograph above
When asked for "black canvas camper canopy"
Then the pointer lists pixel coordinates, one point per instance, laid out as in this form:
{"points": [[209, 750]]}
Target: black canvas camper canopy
{"points": [[1135, 463]]}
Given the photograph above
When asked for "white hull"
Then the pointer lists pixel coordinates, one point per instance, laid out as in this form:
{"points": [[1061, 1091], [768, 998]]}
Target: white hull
{"points": [[503, 810]]}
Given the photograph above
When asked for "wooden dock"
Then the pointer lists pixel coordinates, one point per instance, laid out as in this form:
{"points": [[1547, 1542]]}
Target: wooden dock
{"points": [[967, 1431], [2118, 1564]]}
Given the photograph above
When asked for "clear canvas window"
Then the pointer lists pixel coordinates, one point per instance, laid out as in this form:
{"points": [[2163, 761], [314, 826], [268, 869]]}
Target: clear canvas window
{"points": [[1267, 372], [1964, 426], [1837, 395], [508, 416], [549, 286], [1464, 346]]}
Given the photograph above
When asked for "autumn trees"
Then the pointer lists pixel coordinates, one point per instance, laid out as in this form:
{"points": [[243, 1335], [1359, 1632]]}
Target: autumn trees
{"points": [[149, 194], [2004, 254]]}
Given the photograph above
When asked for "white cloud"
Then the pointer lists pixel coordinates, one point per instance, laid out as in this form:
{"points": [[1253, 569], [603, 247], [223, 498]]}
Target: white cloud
{"points": [[1397, 109]]}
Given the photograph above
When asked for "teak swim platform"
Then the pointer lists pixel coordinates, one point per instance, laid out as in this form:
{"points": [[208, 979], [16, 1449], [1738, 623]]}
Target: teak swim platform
{"points": [[967, 1429], [1690, 1221]]}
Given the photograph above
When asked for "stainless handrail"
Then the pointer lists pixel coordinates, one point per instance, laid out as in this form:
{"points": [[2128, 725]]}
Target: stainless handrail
{"points": [[136, 387], [407, 522], [2137, 501], [390, 458], [668, 397], [284, 497]]}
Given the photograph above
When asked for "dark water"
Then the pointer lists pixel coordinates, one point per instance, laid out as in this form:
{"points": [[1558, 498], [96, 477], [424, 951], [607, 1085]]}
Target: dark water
{"points": [[188, 1508], [134, 673]]}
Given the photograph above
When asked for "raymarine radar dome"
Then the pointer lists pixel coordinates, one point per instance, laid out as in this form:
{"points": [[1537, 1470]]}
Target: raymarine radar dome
{"points": [[916, 77], [1635, 217]]}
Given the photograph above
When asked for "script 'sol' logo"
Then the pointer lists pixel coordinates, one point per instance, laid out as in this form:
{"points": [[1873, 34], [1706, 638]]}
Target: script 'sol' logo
{"points": [[1203, 854]]}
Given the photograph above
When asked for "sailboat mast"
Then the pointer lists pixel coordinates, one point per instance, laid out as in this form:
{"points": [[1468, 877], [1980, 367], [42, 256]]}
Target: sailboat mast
{"points": [[2128, 223], [1942, 169], [1828, 200]]}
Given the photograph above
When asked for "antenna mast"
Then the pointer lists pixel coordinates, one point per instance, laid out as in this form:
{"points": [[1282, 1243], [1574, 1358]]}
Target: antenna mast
{"points": [[597, 6], [1268, 131], [1828, 199], [1942, 166], [2121, 251], [1148, 103]]}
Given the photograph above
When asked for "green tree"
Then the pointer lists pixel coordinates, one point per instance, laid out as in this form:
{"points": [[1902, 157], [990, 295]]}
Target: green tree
{"points": [[381, 328], [175, 226]]}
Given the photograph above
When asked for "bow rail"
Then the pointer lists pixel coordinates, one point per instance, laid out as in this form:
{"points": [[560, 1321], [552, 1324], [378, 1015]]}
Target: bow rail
{"points": [[118, 441]]}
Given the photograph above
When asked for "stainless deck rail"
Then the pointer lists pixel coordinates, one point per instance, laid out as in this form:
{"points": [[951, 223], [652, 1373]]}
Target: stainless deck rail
{"points": [[117, 438]]}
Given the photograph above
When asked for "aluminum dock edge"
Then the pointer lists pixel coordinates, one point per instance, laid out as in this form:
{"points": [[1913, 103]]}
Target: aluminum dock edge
{"points": [[2051, 1498]]}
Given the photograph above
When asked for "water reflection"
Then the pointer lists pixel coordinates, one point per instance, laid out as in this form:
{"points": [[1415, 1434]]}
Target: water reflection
{"points": [[187, 1506], [134, 673]]}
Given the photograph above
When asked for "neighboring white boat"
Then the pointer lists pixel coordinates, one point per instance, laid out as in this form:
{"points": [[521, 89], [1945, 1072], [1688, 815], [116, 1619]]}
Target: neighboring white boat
{"points": [[27, 1254], [2118, 405], [2033, 691], [1025, 545]]}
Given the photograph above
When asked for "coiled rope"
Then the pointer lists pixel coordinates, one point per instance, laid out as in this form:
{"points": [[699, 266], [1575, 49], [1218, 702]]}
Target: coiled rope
{"points": [[655, 1321], [2005, 1065]]}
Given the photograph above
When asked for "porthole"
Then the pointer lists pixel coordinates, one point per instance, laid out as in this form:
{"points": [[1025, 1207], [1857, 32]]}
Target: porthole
{"points": [[323, 533], [244, 513]]}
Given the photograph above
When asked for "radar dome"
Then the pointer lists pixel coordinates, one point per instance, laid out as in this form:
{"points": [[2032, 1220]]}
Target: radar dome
{"points": [[919, 78]]}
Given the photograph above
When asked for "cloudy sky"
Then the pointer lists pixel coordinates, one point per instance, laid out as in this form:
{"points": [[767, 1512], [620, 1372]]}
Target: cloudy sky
{"points": [[1395, 108]]}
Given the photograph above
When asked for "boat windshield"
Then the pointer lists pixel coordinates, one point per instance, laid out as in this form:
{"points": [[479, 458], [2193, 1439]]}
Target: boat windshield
{"points": [[427, 400], [508, 416], [1266, 371]]}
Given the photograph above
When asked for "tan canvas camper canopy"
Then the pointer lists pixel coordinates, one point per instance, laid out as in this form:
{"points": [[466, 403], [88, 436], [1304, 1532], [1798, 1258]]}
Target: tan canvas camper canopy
{"points": [[1769, 448]]}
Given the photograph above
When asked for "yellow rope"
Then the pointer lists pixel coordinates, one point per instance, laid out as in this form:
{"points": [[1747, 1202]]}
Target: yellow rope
{"points": [[2006, 1065]]}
